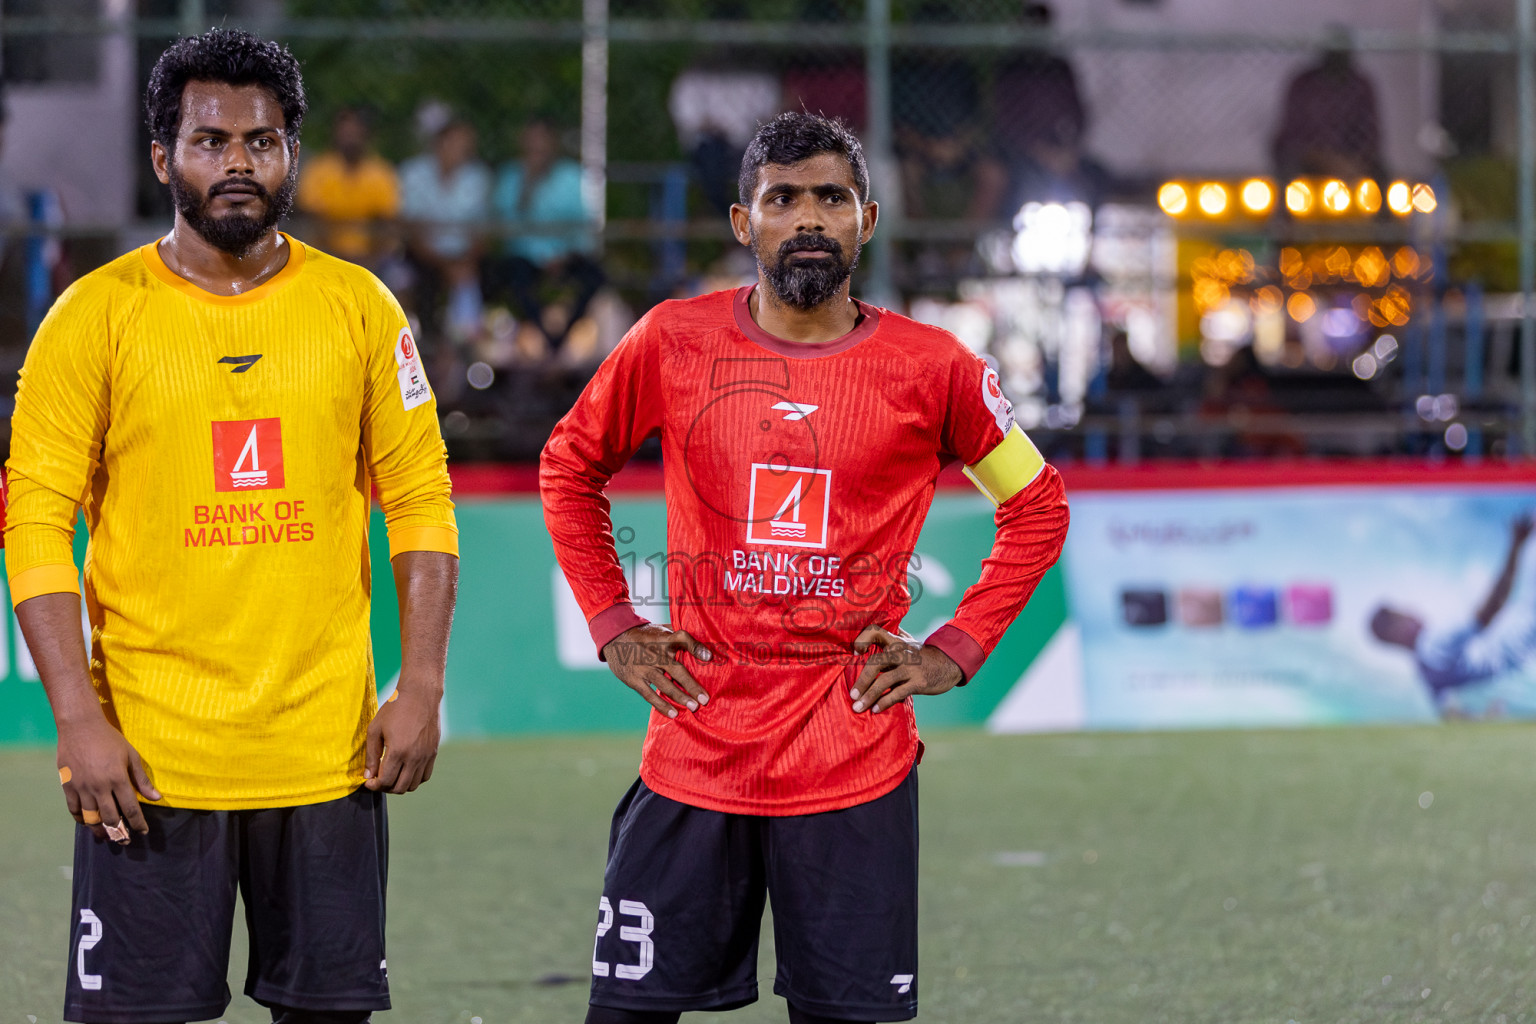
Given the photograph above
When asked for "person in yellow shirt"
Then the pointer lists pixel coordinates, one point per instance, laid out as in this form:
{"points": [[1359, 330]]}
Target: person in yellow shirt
{"points": [[220, 403], [352, 192]]}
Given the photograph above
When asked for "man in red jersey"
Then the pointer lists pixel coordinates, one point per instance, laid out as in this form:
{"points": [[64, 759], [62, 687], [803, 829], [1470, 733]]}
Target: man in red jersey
{"points": [[802, 433]]}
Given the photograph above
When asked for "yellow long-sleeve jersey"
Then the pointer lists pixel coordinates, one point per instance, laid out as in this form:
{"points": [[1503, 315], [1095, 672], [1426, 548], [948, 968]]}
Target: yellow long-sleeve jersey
{"points": [[222, 448]]}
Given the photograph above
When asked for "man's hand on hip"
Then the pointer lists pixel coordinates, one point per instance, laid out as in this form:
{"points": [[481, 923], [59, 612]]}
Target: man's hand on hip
{"points": [[645, 658], [100, 771], [898, 668], [403, 738]]}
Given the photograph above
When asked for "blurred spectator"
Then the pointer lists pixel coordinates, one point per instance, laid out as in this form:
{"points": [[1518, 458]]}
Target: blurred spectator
{"points": [[1125, 372], [717, 107], [1039, 123], [352, 192], [1235, 393], [444, 199], [1330, 125], [934, 100], [539, 198], [829, 86], [832, 83]]}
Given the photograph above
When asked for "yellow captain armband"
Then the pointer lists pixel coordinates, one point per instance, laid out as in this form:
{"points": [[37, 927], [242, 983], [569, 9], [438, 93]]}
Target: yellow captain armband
{"points": [[1008, 468]]}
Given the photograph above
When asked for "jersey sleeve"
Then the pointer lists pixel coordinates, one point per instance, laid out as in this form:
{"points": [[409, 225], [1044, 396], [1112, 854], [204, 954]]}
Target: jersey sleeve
{"points": [[1031, 517], [617, 411], [401, 441], [62, 406]]}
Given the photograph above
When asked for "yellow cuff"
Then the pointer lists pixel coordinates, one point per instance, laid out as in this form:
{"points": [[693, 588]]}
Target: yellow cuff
{"points": [[1008, 468], [54, 578], [424, 538]]}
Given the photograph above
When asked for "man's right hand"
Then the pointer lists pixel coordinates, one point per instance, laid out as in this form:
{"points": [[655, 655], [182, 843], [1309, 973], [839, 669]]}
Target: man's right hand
{"points": [[645, 659], [100, 772]]}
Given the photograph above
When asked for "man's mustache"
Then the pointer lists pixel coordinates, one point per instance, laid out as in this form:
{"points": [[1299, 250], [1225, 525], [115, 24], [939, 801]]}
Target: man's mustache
{"points": [[810, 243], [245, 186]]}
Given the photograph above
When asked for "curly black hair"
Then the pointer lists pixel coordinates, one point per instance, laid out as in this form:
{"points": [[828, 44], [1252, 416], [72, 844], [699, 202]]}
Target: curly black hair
{"points": [[231, 56], [795, 136]]}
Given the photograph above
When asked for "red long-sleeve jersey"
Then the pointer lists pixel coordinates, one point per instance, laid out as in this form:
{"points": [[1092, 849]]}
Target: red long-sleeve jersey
{"points": [[797, 478]]}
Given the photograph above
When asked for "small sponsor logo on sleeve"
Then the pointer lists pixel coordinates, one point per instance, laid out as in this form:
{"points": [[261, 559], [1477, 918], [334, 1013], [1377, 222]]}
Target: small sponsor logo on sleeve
{"points": [[414, 389], [993, 398]]}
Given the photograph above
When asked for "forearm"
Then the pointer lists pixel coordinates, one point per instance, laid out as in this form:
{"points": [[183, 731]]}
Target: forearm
{"points": [[51, 625], [1031, 529], [577, 515], [426, 583]]}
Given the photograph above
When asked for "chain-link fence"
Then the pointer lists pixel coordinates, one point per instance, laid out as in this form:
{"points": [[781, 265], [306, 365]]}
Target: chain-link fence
{"points": [[1196, 230]]}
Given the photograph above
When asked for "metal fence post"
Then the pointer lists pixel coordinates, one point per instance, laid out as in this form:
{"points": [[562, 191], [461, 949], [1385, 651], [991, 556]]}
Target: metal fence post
{"points": [[594, 108], [1527, 113], [879, 285]]}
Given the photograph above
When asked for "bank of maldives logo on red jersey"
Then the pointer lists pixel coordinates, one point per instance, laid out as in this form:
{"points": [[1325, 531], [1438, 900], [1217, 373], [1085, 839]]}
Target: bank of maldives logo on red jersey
{"points": [[248, 455], [789, 505]]}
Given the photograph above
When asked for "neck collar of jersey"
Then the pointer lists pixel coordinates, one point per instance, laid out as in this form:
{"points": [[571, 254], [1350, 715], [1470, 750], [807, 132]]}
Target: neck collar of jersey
{"points": [[797, 350], [151, 256]]}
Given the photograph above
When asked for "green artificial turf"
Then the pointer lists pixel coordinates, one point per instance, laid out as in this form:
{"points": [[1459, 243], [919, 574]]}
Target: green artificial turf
{"points": [[1345, 875]]}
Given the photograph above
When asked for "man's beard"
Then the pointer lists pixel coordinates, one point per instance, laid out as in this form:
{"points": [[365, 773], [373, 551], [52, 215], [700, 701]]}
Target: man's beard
{"points": [[237, 232], [806, 284]]}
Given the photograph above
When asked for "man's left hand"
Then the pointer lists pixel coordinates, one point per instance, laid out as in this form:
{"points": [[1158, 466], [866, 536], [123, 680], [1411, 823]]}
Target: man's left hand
{"points": [[899, 668], [402, 740]]}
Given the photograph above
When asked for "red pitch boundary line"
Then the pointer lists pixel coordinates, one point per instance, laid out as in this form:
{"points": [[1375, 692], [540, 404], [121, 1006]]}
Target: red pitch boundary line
{"points": [[485, 479]]}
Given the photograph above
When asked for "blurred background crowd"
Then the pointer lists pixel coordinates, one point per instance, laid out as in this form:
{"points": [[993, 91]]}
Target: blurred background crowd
{"points": [[1181, 228]]}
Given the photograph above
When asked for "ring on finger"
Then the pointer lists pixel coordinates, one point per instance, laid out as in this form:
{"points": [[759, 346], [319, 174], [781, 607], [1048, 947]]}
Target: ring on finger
{"points": [[117, 833]]}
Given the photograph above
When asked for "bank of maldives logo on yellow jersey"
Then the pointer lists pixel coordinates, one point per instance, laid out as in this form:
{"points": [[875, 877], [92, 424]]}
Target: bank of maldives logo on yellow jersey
{"points": [[248, 455], [790, 505]]}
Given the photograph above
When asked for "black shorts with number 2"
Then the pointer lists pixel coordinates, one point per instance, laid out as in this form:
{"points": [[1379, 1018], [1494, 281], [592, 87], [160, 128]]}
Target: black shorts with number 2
{"points": [[683, 901], [152, 920]]}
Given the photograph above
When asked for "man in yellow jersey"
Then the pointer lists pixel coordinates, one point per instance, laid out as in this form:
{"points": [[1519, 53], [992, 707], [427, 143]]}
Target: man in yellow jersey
{"points": [[220, 403]]}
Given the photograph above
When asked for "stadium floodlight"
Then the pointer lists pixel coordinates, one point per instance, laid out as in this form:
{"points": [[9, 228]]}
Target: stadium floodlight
{"points": [[1424, 199], [1298, 198], [1399, 198], [1213, 199], [1174, 199], [1257, 196], [1368, 196], [1052, 238], [1336, 197]]}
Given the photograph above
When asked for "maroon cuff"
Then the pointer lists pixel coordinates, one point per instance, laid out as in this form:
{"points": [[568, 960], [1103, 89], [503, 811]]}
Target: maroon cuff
{"points": [[962, 650], [607, 625]]}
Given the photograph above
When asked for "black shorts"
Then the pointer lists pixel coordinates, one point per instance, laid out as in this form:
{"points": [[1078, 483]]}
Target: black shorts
{"points": [[152, 920], [683, 902]]}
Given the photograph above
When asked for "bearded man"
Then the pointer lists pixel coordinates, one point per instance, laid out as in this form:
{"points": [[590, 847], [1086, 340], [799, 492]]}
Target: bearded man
{"points": [[221, 403], [802, 433]]}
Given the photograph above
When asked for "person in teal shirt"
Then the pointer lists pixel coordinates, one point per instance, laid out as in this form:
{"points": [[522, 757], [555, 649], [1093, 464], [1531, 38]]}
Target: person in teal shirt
{"points": [[551, 238]]}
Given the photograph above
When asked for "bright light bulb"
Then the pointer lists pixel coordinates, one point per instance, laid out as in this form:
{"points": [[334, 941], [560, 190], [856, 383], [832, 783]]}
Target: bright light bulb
{"points": [[1336, 196], [1213, 199], [1258, 197], [1424, 199], [1174, 199], [1399, 199], [1368, 196], [1298, 198]]}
